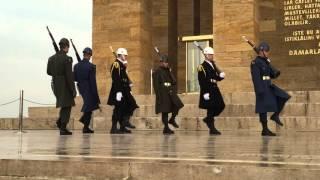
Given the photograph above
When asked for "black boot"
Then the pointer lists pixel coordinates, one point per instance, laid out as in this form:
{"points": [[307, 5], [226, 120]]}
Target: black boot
{"points": [[87, 130], [276, 119], [124, 130], [214, 130], [208, 123], [265, 129], [65, 131], [114, 129], [173, 122], [166, 129], [127, 122], [58, 123]]}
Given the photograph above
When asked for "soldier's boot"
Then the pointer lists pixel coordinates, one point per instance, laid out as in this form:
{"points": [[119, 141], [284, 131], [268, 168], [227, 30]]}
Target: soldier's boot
{"points": [[275, 117], [213, 129], [166, 129], [207, 122], [123, 128], [87, 130], [173, 122], [127, 122], [114, 129], [265, 129], [64, 130], [58, 123]]}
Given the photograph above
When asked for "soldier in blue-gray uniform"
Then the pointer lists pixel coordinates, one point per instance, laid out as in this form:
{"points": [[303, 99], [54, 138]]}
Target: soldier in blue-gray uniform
{"points": [[269, 97], [85, 76]]}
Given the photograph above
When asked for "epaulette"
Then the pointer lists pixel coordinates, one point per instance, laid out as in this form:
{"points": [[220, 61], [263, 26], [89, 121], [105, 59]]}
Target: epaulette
{"points": [[115, 65], [200, 68]]}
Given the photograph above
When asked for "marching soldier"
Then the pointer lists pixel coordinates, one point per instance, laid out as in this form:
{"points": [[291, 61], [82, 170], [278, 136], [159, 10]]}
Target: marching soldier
{"points": [[85, 75], [60, 68], [167, 100], [120, 94], [210, 95], [269, 97]]}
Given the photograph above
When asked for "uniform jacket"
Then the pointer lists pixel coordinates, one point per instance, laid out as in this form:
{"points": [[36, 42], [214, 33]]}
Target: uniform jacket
{"points": [[60, 68], [266, 92], [165, 89], [208, 78], [121, 83], [85, 76]]}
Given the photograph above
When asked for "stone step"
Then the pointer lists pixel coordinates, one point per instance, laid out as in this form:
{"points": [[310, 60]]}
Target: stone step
{"points": [[294, 123], [189, 110], [229, 98]]}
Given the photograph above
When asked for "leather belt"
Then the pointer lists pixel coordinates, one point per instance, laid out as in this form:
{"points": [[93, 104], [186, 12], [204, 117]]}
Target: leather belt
{"points": [[266, 78]]}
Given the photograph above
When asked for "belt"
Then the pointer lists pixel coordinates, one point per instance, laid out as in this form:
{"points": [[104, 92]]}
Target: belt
{"points": [[265, 77], [167, 84], [213, 81]]}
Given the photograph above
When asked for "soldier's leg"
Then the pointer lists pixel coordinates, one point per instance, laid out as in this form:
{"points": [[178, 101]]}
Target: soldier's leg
{"points": [[166, 129], [126, 119], [85, 119], [208, 119], [115, 119], [172, 120], [65, 116], [122, 121], [275, 116], [211, 121], [264, 122]]}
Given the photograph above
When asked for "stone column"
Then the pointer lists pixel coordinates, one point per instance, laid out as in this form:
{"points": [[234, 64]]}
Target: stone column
{"points": [[128, 24], [231, 20]]}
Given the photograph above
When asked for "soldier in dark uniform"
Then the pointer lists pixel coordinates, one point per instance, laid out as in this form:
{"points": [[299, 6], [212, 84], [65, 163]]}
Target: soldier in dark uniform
{"points": [[210, 95], [85, 75], [167, 100], [120, 94], [269, 97], [60, 68]]}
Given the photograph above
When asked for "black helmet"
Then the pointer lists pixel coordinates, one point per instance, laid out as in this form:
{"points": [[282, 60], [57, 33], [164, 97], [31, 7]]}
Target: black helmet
{"points": [[64, 42], [164, 58], [263, 46], [87, 50]]}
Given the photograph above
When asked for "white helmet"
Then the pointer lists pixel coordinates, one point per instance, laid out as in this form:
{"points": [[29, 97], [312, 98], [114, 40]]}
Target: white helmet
{"points": [[122, 51], [208, 50]]}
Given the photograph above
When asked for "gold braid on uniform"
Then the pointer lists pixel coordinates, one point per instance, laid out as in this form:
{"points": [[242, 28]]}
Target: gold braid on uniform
{"points": [[200, 68], [115, 65]]}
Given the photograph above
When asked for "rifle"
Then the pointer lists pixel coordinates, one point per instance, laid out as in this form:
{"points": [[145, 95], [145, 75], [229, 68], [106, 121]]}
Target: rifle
{"points": [[275, 71], [213, 63], [75, 50], [53, 41]]}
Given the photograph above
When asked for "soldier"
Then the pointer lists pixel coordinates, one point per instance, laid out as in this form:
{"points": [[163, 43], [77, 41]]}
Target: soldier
{"points": [[60, 68], [269, 97], [167, 100], [120, 94], [210, 95], [85, 75]]}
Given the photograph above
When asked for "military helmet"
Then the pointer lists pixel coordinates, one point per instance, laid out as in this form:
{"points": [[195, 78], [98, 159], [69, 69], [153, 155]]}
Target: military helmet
{"points": [[87, 50], [64, 42], [164, 58], [208, 50], [263, 46], [122, 51]]}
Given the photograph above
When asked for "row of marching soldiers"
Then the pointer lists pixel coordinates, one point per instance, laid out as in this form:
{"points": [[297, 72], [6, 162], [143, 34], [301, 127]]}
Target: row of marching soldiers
{"points": [[269, 98]]}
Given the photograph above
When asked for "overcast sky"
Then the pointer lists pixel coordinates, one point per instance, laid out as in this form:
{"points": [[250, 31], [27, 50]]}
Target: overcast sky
{"points": [[25, 45]]}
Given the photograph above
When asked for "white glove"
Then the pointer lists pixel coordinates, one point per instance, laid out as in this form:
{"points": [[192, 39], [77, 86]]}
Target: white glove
{"points": [[119, 96], [222, 74], [131, 84], [206, 96]]}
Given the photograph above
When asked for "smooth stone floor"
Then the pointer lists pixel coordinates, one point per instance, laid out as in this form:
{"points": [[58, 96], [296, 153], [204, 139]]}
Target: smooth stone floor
{"points": [[299, 149]]}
